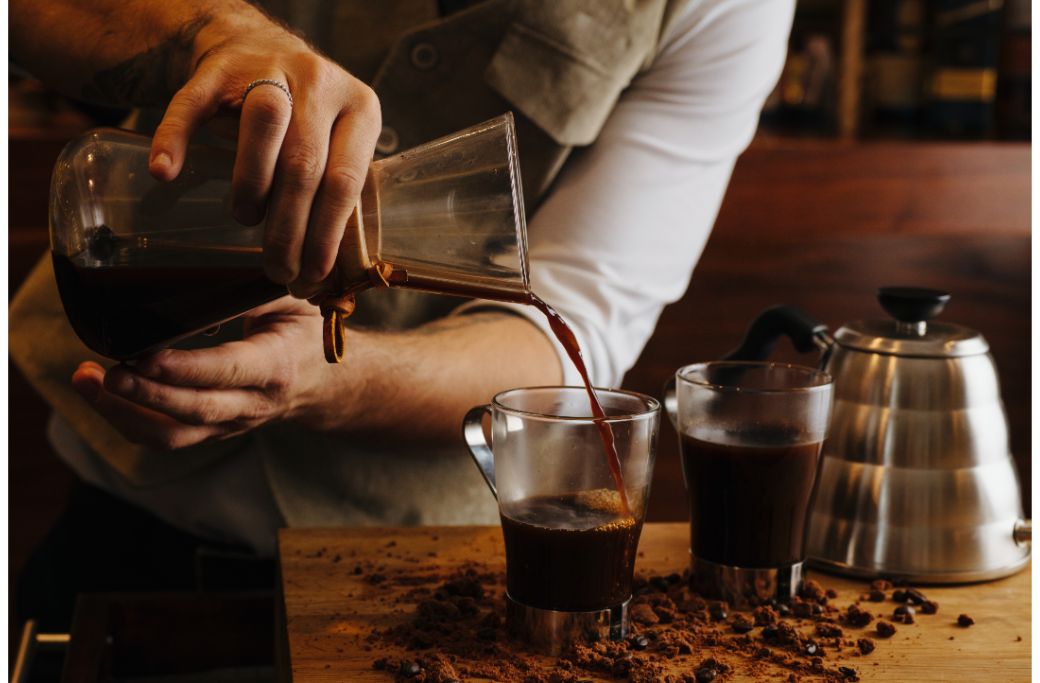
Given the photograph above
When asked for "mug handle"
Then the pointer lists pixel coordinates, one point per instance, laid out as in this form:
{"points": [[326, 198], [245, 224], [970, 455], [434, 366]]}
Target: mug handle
{"points": [[671, 402], [473, 433]]}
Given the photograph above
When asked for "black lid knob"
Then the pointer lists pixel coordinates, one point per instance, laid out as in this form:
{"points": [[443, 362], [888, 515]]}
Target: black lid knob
{"points": [[912, 304]]}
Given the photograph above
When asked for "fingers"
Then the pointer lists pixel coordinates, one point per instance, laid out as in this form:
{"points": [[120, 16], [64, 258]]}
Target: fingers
{"points": [[350, 152], [194, 103], [137, 423], [188, 405], [299, 170], [265, 118], [234, 365]]}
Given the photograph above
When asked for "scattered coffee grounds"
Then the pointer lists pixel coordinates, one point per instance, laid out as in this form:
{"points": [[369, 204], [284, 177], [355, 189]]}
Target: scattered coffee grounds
{"points": [[813, 591], [456, 631], [826, 630], [801, 608], [643, 614], [885, 629], [741, 624], [964, 621], [855, 616]]}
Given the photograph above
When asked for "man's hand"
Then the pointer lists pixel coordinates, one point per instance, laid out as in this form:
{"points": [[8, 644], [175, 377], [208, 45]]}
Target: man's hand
{"points": [[174, 399], [303, 164], [406, 386]]}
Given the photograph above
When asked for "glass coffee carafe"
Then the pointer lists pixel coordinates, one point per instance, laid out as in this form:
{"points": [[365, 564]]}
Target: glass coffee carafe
{"points": [[141, 264]]}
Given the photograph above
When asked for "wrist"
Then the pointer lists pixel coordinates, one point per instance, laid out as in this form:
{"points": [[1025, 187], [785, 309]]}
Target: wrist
{"points": [[232, 20], [331, 400]]}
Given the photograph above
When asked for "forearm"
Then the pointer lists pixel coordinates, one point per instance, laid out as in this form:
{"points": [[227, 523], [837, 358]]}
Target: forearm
{"points": [[121, 52], [417, 385]]}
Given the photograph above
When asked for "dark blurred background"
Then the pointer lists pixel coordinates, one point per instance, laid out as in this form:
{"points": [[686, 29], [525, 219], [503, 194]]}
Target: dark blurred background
{"points": [[906, 69], [895, 150]]}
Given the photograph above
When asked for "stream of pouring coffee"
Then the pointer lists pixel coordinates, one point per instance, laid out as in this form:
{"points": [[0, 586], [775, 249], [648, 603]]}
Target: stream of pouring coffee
{"points": [[401, 277], [570, 343]]}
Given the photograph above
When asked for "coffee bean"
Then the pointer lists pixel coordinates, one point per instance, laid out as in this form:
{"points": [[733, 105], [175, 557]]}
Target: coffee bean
{"points": [[783, 610], [904, 614], [876, 596], [762, 653], [881, 585], [705, 674], [718, 611], [639, 642], [916, 597], [410, 669], [770, 632], [964, 621], [900, 595], [885, 629], [849, 673], [811, 647], [831, 593], [865, 645], [817, 610], [929, 607]]}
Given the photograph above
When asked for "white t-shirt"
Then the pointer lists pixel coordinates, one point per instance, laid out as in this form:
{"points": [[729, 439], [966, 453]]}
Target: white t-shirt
{"points": [[614, 242]]}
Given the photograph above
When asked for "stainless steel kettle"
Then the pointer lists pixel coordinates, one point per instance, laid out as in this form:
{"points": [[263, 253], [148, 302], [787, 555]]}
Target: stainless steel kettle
{"points": [[916, 480]]}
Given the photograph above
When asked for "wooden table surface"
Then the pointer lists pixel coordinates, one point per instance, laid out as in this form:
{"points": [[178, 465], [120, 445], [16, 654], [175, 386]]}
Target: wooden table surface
{"points": [[330, 610]]}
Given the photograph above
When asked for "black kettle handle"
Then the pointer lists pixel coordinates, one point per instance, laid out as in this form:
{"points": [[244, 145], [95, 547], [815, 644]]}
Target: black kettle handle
{"points": [[804, 331]]}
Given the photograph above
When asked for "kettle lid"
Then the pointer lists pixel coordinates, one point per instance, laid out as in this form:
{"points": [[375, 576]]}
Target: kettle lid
{"points": [[909, 333]]}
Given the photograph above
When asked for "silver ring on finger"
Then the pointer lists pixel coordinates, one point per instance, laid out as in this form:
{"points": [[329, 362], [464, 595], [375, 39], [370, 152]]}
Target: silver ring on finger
{"points": [[268, 81]]}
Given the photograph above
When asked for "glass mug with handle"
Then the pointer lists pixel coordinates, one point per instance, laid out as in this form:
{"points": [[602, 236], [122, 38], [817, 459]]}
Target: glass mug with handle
{"points": [[570, 541], [750, 435]]}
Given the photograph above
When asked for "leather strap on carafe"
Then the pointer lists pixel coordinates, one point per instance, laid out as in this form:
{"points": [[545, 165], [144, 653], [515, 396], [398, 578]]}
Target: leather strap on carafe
{"points": [[354, 272], [336, 309]]}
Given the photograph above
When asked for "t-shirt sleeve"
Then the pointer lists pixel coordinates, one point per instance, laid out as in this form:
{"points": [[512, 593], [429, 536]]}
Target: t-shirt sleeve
{"points": [[620, 233]]}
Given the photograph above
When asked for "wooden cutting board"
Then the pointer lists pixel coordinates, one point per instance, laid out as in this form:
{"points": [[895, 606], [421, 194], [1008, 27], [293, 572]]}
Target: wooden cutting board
{"points": [[330, 610]]}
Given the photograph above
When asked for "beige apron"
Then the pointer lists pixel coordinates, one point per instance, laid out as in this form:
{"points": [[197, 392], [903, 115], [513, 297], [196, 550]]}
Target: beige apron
{"points": [[560, 65]]}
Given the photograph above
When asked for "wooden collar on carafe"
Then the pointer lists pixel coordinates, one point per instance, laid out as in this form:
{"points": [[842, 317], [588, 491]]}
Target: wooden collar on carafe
{"points": [[354, 271]]}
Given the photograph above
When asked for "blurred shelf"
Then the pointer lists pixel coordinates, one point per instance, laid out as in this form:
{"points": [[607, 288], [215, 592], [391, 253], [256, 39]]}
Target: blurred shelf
{"points": [[906, 69]]}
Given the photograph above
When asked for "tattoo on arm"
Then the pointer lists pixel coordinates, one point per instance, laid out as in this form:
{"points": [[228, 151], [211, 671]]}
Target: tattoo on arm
{"points": [[150, 77]]}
